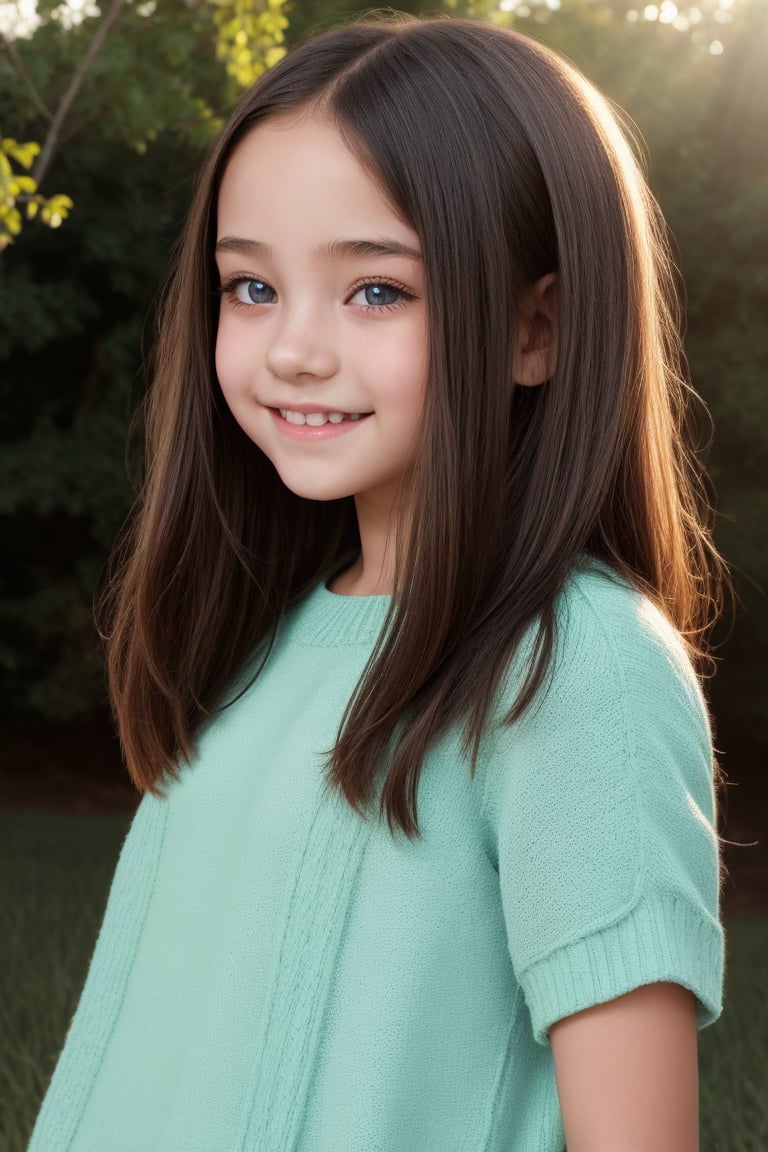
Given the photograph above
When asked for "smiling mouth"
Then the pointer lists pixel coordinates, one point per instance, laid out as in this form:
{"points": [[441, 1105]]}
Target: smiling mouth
{"points": [[317, 419]]}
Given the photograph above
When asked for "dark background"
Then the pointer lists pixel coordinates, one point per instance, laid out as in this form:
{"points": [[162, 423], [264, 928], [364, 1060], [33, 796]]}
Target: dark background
{"points": [[76, 307]]}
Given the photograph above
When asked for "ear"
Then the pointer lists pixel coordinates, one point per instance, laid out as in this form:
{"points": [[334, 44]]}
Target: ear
{"points": [[536, 344]]}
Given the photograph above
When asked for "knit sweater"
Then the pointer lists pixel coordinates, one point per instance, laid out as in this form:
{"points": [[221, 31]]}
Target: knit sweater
{"points": [[275, 973]]}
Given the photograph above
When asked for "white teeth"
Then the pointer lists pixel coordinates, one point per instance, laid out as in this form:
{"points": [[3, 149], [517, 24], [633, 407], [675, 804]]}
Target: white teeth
{"points": [[316, 419], [295, 417]]}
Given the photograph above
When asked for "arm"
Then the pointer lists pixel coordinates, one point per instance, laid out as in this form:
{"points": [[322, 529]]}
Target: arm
{"points": [[627, 1073]]}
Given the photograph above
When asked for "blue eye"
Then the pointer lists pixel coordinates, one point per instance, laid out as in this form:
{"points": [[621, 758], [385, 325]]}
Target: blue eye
{"points": [[379, 294], [253, 292]]}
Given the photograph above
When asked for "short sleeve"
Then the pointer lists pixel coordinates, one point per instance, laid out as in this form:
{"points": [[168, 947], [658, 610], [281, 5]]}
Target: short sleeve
{"points": [[601, 809]]}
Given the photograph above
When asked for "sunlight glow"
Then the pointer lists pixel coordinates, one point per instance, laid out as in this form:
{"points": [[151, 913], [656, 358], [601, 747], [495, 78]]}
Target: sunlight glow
{"points": [[73, 12], [683, 17], [526, 7], [20, 20]]}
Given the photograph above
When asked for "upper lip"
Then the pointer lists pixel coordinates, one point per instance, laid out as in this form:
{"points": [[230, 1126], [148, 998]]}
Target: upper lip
{"points": [[316, 407]]}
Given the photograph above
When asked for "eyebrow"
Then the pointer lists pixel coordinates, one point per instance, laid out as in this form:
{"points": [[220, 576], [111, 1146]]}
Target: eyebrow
{"points": [[333, 250]]}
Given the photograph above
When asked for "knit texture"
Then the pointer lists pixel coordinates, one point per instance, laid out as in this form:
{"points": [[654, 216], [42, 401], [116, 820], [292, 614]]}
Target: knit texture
{"points": [[275, 974]]}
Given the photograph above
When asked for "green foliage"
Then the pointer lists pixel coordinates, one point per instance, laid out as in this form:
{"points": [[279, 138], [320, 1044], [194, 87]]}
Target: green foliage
{"points": [[17, 189], [74, 308], [249, 40]]}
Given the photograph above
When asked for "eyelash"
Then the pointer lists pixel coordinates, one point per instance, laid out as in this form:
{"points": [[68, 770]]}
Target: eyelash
{"points": [[229, 286]]}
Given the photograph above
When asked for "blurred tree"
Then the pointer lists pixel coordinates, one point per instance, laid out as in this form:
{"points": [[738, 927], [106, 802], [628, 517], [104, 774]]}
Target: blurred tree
{"points": [[248, 39], [123, 128]]}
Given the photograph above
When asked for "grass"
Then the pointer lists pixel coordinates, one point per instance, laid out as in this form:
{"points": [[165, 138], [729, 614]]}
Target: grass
{"points": [[56, 872]]}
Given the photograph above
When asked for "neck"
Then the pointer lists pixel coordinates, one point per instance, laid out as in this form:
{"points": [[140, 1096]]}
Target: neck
{"points": [[373, 572]]}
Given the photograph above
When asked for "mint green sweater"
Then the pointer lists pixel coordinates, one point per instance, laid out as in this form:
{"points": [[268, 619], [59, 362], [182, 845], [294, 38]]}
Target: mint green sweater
{"points": [[275, 974]]}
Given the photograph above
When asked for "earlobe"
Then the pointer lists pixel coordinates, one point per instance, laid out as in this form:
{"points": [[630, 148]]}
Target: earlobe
{"points": [[536, 345]]}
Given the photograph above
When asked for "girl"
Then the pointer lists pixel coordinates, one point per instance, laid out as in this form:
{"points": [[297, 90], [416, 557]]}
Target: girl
{"points": [[421, 537]]}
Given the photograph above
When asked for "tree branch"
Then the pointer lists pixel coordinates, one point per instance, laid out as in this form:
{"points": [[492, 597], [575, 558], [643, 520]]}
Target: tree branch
{"points": [[78, 126], [24, 76], [57, 122]]}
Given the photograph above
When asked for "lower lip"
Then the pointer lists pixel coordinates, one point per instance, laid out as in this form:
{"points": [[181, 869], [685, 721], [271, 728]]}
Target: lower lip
{"points": [[309, 432]]}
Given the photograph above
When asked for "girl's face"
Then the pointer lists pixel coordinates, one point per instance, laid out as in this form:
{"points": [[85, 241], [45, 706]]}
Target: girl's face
{"points": [[322, 312]]}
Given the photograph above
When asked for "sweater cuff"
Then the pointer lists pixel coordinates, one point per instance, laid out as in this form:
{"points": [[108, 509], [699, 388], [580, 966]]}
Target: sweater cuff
{"points": [[662, 938]]}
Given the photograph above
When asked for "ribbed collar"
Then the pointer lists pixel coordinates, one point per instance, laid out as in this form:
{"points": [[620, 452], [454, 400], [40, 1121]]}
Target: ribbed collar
{"points": [[324, 619]]}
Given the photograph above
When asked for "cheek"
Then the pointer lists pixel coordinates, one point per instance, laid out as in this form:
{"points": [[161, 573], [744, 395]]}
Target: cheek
{"points": [[404, 372], [228, 363]]}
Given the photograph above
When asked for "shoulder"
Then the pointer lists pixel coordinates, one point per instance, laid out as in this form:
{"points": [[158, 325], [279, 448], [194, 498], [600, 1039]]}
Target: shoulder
{"points": [[618, 669], [613, 641], [619, 730]]}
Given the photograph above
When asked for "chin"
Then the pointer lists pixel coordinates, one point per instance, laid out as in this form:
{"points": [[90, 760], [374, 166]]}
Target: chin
{"points": [[318, 492]]}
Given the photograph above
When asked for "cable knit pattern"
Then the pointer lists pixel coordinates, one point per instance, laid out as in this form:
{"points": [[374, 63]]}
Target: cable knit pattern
{"points": [[275, 974], [302, 977]]}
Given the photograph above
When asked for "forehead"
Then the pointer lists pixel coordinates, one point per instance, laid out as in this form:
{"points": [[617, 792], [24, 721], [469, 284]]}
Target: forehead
{"points": [[294, 177]]}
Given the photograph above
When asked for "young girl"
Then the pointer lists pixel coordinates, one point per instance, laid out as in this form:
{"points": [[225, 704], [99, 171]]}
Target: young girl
{"points": [[405, 639]]}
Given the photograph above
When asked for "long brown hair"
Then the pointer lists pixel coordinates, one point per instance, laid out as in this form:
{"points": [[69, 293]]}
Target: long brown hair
{"points": [[509, 165]]}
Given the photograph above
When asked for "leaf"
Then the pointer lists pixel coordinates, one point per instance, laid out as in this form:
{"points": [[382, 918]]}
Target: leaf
{"points": [[249, 36], [59, 204], [23, 154]]}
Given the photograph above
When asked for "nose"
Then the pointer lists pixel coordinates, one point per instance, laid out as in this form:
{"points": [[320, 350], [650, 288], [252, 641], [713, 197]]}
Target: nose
{"points": [[303, 345]]}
